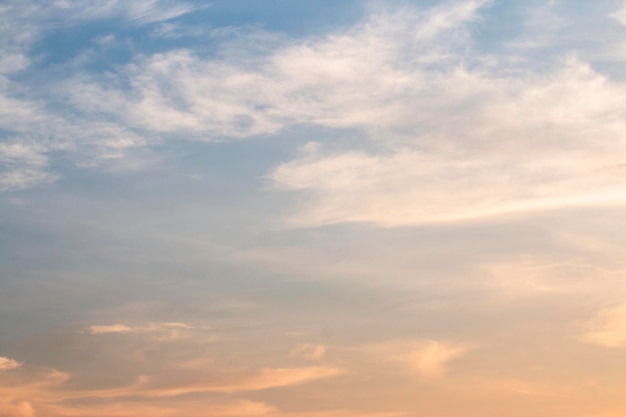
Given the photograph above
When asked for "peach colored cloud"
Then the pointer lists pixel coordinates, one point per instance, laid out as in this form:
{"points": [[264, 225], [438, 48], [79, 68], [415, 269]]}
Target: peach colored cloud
{"points": [[40, 392], [7, 364], [430, 359], [225, 382]]}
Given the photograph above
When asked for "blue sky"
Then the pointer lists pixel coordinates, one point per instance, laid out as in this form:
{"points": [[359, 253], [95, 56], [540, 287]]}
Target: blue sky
{"points": [[312, 208]]}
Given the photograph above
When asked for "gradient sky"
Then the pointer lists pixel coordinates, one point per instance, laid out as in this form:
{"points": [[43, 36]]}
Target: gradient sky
{"points": [[313, 208]]}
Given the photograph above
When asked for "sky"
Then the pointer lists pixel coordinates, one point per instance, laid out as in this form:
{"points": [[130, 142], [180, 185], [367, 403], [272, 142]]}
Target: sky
{"points": [[313, 208]]}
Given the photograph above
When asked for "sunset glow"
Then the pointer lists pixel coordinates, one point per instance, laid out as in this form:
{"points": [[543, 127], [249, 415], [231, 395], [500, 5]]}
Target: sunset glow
{"points": [[313, 208]]}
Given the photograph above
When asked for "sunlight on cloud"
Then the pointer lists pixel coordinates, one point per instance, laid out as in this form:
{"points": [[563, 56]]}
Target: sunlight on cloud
{"points": [[22, 393], [261, 380], [430, 360], [112, 328], [525, 144], [460, 136], [39, 391], [7, 364], [160, 332]]}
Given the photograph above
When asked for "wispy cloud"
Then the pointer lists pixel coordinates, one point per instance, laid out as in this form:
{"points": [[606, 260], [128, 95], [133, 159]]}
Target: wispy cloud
{"points": [[30, 123], [46, 391], [512, 145], [165, 331], [357, 78], [139, 12], [110, 328], [261, 380], [452, 127]]}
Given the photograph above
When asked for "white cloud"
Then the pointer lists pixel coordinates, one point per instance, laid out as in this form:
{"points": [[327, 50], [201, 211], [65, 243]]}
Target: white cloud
{"points": [[481, 145], [139, 11], [458, 134], [607, 328], [8, 364], [357, 78], [27, 21], [457, 139], [620, 15]]}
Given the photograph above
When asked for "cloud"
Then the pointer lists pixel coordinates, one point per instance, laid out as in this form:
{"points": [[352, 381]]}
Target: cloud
{"points": [[234, 408], [139, 12], [39, 391], [457, 134], [481, 145], [165, 331], [235, 95], [308, 352], [454, 128], [22, 393], [151, 327], [8, 364], [356, 78], [257, 381], [607, 328], [29, 113], [426, 358], [28, 21], [221, 382], [430, 360], [110, 328], [16, 408], [620, 15]]}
